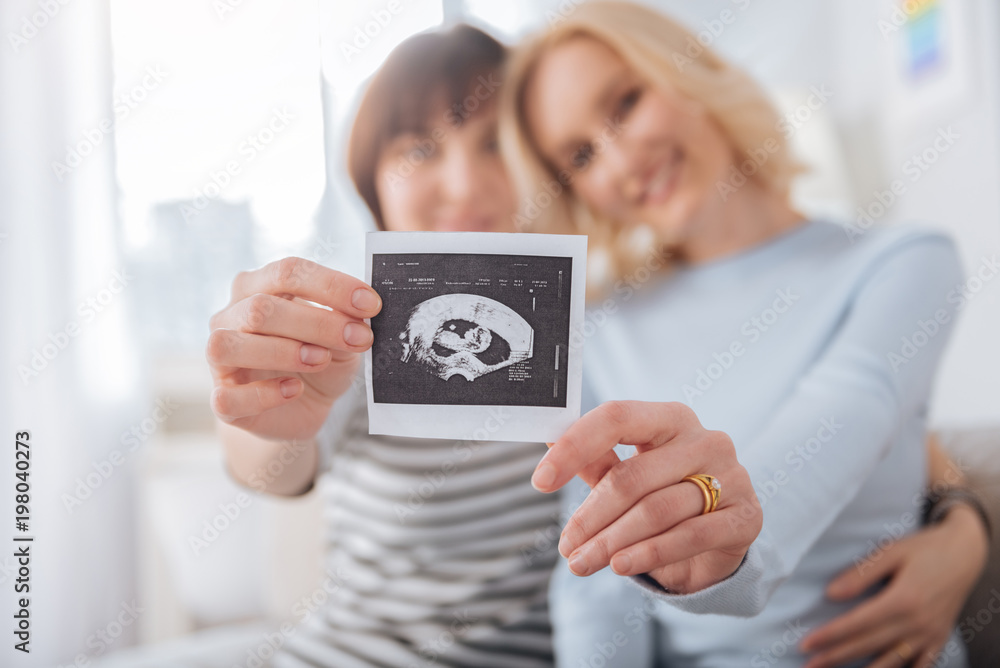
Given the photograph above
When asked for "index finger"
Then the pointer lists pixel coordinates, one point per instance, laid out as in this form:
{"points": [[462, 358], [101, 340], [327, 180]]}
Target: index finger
{"points": [[593, 472], [643, 424], [309, 280]]}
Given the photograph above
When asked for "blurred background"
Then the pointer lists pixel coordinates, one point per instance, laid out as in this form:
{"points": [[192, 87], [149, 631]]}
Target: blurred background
{"points": [[151, 150]]}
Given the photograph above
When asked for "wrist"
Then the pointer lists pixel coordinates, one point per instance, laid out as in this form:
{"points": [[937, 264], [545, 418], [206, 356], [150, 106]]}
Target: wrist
{"points": [[965, 517], [939, 504], [963, 529]]}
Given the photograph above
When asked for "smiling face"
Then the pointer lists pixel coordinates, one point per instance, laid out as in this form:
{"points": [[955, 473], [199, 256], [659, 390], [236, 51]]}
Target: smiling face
{"points": [[638, 153], [447, 177]]}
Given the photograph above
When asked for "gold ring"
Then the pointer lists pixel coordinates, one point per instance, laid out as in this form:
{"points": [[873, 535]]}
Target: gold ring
{"points": [[710, 488], [904, 650]]}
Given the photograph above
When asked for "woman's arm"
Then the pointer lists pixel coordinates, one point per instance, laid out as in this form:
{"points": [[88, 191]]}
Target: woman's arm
{"points": [[290, 468], [641, 516], [930, 576], [279, 362], [282, 468], [856, 387]]}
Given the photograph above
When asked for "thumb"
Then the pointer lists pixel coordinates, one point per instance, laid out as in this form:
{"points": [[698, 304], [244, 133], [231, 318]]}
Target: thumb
{"points": [[865, 573]]}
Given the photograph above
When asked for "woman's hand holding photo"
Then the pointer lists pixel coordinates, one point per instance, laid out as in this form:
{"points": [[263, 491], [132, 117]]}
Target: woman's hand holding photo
{"points": [[278, 361], [641, 515]]}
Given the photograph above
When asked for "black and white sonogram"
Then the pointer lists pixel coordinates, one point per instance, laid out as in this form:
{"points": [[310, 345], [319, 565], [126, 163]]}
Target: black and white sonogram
{"points": [[471, 329], [466, 335]]}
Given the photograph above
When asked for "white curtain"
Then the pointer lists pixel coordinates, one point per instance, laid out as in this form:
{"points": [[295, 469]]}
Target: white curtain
{"points": [[68, 373]]}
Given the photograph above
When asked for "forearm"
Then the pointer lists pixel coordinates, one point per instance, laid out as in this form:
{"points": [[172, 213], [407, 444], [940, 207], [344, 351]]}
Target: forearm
{"points": [[964, 520], [281, 468], [851, 402]]}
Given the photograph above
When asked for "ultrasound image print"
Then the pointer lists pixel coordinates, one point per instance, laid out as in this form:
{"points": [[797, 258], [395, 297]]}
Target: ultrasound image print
{"points": [[471, 329], [469, 335]]}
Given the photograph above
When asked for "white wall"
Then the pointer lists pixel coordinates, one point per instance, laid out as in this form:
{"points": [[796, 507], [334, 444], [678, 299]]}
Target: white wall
{"points": [[960, 192]]}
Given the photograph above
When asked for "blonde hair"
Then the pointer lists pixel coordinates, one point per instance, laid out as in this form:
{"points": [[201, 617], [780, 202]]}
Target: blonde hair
{"points": [[664, 53]]}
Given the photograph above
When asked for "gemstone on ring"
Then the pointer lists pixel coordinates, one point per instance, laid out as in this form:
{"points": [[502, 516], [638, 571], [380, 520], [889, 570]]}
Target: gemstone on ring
{"points": [[710, 487]]}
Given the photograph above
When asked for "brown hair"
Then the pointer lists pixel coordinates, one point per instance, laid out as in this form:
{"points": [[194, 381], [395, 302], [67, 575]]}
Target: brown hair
{"points": [[425, 73]]}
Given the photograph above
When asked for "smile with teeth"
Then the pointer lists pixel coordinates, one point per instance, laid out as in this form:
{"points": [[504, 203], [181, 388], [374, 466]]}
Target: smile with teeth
{"points": [[661, 184]]}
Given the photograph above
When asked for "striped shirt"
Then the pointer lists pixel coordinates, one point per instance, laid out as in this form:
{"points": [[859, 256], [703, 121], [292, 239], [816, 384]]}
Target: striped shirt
{"points": [[437, 552]]}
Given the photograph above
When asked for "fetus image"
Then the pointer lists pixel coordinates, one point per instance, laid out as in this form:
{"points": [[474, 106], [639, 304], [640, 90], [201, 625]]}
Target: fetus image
{"points": [[465, 335]]}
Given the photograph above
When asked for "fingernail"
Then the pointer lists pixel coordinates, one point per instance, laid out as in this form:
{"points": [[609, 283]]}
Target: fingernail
{"points": [[544, 476], [578, 563], [365, 300], [563, 546], [621, 563], [310, 354], [289, 387], [357, 334]]}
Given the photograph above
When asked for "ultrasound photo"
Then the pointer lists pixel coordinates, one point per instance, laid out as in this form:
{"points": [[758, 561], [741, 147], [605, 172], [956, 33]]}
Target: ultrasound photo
{"points": [[472, 323], [459, 328]]}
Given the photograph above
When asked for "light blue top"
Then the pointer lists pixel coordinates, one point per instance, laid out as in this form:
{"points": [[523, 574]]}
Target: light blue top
{"points": [[816, 354]]}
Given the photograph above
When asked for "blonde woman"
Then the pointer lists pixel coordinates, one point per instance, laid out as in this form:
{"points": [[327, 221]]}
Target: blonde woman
{"points": [[809, 350]]}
